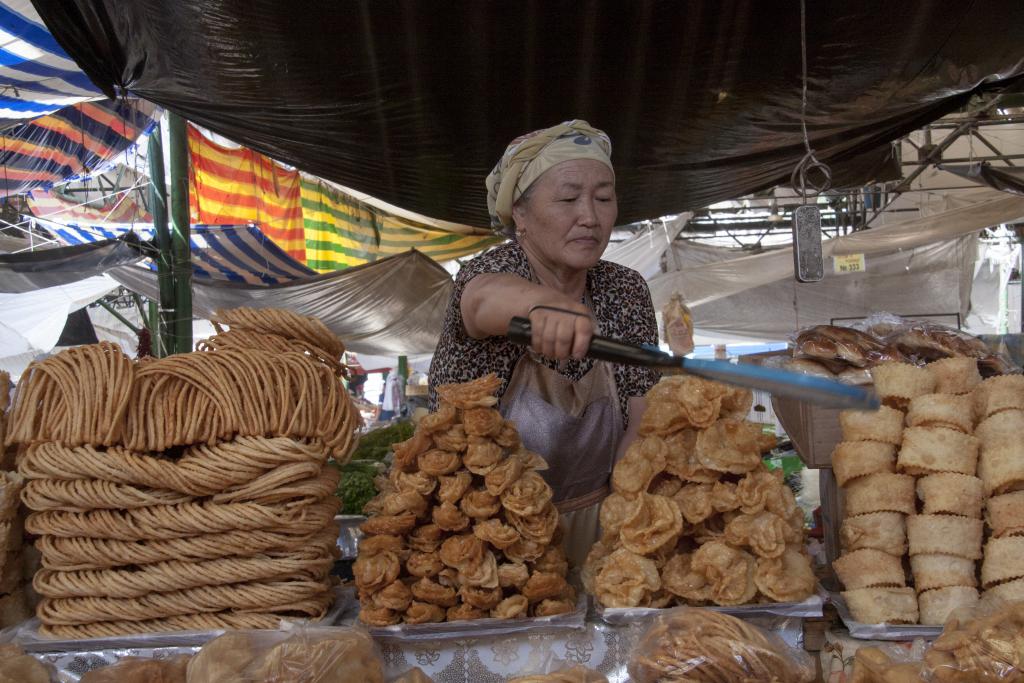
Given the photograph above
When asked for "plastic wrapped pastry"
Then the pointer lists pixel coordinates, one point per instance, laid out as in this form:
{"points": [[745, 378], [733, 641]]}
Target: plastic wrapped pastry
{"points": [[692, 644]]}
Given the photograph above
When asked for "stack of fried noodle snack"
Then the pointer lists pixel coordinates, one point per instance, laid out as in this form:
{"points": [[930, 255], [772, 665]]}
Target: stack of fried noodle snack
{"points": [[189, 492]]}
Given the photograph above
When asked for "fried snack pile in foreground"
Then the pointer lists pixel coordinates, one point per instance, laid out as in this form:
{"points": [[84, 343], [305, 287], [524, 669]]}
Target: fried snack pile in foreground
{"points": [[18, 667], [331, 655], [691, 644], [989, 648], [695, 517], [464, 526], [186, 493], [874, 665], [576, 674], [413, 675], [138, 670]]}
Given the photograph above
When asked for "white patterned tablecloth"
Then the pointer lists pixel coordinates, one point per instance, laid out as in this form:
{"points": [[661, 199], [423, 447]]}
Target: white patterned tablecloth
{"points": [[488, 659], [495, 659]]}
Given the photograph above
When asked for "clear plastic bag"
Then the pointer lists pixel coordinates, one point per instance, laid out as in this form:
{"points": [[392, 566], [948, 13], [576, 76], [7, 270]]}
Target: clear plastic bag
{"points": [[694, 644], [545, 666], [569, 674], [414, 675], [888, 663], [314, 655], [678, 331], [987, 647], [812, 607], [923, 341], [881, 324], [842, 348], [18, 667], [137, 670]]}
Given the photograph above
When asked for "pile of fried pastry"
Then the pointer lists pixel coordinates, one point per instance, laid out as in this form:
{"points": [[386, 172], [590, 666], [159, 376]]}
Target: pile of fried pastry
{"points": [[917, 476], [464, 526], [695, 517]]}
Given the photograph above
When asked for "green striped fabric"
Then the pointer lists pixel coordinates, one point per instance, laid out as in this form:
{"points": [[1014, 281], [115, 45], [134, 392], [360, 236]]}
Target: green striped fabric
{"points": [[342, 231]]}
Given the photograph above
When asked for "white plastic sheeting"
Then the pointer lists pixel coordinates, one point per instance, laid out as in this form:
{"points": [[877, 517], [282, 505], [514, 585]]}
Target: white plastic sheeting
{"points": [[702, 284], [643, 252], [31, 322], [108, 328], [391, 307], [989, 314], [933, 279]]}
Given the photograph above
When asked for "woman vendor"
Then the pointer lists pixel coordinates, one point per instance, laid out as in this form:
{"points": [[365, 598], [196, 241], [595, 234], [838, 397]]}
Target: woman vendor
{"points": [[553, 193]]}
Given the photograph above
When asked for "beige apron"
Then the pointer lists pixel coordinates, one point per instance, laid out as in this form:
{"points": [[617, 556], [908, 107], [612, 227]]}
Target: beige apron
{"points": [[576, 427]]}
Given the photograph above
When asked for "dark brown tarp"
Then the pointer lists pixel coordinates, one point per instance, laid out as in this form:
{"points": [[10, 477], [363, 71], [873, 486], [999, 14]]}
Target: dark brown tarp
{"points": [[413, 101]]}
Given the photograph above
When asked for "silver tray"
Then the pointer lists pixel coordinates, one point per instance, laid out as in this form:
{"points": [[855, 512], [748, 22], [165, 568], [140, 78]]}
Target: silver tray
{"points": [[27, 636], [883, 631], [473, 628], [812, 607]]}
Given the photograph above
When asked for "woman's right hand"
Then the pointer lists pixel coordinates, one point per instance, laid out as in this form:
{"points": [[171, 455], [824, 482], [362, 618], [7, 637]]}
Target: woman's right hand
{"points": [[561, 330]]}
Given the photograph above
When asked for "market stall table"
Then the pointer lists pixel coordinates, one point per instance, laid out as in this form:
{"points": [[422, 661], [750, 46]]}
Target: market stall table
{"points": [[470, 659]]}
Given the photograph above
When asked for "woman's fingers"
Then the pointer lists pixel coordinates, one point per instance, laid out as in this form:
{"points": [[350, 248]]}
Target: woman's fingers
{"points": [[564, 333], [581, 338], [560, 334], [537, 323], [553, 330]]}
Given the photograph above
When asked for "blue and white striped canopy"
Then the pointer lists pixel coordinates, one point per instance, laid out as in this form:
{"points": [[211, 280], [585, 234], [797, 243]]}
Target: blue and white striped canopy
{"points": [[225, 253], [36, 76]]}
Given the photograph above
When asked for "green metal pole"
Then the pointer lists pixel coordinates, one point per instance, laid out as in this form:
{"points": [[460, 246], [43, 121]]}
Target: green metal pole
{"points": [[163, 329], [180, 228], [138, 305]]}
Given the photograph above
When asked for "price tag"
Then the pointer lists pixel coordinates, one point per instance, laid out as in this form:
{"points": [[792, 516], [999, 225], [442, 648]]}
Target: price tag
{"points": [[848, 263]]}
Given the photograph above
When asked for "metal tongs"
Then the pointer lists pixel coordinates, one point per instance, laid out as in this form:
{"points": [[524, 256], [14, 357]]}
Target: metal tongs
{"points": [[807, 388]]}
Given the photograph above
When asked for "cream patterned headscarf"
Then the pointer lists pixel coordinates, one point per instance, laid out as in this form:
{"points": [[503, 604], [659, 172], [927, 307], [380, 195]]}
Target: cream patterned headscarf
{"points": [[529, 156]]}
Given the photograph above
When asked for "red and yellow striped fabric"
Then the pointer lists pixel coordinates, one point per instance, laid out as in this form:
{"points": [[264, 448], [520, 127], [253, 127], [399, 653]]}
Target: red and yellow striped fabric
{"points": [[72, 141], [240, 186]]}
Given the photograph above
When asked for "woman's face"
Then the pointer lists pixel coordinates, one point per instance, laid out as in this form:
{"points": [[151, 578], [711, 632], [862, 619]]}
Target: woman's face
{"points": [[569, 214]]}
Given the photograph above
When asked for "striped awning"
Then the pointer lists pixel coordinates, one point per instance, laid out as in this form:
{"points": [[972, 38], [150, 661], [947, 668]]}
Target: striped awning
{"points": [[57, 207], [239, 186], [315, 222], [73, 141], [226, 253], [36, 76], [343, 231]]}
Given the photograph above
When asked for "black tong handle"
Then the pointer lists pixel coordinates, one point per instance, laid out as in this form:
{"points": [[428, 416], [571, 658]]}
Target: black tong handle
{"points": [[521, 332]]}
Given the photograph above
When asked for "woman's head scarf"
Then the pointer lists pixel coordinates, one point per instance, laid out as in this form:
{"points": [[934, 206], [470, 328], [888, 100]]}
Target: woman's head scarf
{"points": [[529, 156]]}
